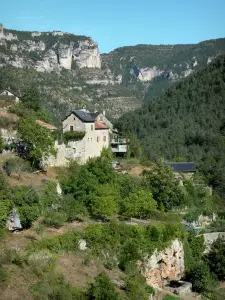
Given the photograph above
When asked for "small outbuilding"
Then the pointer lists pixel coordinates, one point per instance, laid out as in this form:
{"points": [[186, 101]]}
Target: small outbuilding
{"points": [[183, 169]]}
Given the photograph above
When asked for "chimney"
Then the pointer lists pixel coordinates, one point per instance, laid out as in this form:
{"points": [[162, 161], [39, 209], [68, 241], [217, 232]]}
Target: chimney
{"points": [[103, 113]]}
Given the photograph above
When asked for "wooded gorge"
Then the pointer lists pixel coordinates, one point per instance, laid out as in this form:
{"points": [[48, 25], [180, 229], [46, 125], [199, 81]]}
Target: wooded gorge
{"points": [[186, 123]]}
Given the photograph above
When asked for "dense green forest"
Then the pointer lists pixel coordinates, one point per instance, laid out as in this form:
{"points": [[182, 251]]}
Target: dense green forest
{"points": [[187, 123]]}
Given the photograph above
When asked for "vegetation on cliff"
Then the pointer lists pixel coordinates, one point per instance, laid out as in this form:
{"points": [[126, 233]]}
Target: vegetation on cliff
{"points": [[187, 123]]}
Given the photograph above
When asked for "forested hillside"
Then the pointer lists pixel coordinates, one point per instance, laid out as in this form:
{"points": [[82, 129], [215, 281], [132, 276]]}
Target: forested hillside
{"points": [[155, 61], [187, 123], [69, 71]]}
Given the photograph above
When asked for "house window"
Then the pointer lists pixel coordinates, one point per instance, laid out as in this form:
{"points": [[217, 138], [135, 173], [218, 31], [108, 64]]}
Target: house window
{"points": [[104, 138], [71, 128], [91, 139], [92, 127], [74, 118], [101, 118], [98, 138]]}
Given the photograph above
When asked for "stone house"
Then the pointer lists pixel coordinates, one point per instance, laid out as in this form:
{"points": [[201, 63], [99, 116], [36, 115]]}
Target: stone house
{"points": [[94, 136], [100, 117], [118, 142]]}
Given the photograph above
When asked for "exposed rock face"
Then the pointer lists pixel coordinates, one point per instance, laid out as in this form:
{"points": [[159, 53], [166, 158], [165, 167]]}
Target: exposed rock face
{"points": [[58, 50], [210, 238], [87, 55], [148, 74], [164, 266]]}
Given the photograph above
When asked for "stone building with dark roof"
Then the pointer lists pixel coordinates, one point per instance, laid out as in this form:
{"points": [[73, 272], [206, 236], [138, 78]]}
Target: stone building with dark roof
{"points": [[94, 136]]}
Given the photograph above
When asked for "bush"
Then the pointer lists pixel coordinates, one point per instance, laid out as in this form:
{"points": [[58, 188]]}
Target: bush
{"points": [[201, 278], [26, 201], [53, 286], [216, 258], [16, 165], [74, 209], [1, 144], [164, 186], [41, 262], [3, 275], [73, 136], [138, 204], [54, 218], [102, 289], [169, 297], [64, 242]]}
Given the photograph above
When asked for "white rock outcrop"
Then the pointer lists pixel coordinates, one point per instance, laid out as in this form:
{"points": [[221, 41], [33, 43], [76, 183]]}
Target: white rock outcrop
{"points": [[84, 52], [211, 237], [87, 55], [147, 74], [164, 266]]}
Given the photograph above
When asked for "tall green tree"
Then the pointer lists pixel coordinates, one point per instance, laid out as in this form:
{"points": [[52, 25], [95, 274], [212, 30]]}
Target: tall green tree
{"points": [[39, 140], [216, 258], [164, 186], [138, 204], [31, 98], [201, 278], [104, 202]]}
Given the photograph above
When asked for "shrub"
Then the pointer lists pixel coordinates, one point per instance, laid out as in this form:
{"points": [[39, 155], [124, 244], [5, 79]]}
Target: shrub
{"points": [[169, 297], [16, 165], [74, 209], [3, 275], [26, 201], [138, 204], [201, 278], [1, 143], [65, 242], [41, 262], [13, 255], [104, 201], [54, 218], [53, 286], [73, 136], [216, 258], [102, 289]]}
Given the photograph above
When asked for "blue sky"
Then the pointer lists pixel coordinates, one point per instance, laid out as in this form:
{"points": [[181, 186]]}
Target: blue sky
{"points": [[117, 23]]}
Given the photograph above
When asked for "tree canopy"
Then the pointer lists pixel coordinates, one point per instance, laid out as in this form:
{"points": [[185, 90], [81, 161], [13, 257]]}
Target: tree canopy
{"points": [[187, 121], [39, 140]]}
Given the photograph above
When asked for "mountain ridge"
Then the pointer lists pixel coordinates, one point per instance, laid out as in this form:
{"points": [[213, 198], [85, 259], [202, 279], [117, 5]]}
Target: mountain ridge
{"points": [[93, 81]]}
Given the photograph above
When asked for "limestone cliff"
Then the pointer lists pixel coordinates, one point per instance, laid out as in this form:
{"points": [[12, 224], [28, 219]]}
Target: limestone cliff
{"points": [[47, 51], [164, 266]]}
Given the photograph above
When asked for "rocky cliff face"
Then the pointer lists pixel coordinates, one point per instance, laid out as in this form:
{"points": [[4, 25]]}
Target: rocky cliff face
{"points": [[164, 266], [47, 51]]}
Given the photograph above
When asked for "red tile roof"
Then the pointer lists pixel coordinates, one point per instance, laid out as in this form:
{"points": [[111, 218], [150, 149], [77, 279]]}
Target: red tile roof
{"points": [[99, 125], [46, 125]]}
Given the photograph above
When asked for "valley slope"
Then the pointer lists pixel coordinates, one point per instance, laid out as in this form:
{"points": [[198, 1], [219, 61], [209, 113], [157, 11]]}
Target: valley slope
{"points": [[187, 123], [70, 72]]}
